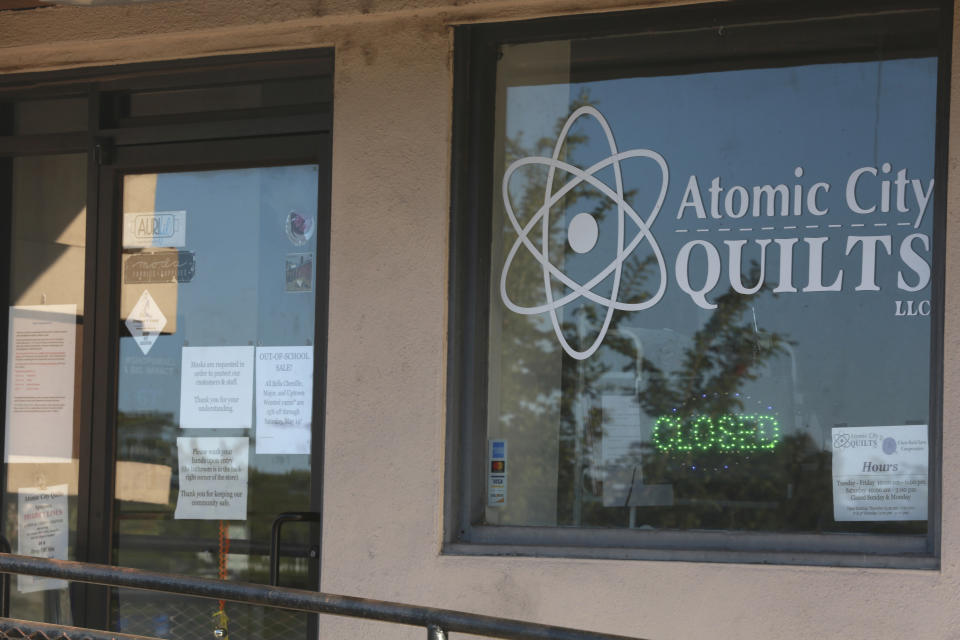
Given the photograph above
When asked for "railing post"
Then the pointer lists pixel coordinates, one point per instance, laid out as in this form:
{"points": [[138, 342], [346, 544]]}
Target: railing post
{"points": [[435, 633]]}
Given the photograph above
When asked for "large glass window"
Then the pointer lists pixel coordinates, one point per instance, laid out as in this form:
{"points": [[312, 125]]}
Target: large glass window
{"points": [[711, 256]]}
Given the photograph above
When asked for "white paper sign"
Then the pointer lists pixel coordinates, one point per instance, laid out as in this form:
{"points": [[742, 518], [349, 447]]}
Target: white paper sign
{"points": [[216, 388], [41, 343], [284, 399], [213, 478], [621, 456], [145, 322], [880, 473], [622, 435], [156, 229], [43, 532]]}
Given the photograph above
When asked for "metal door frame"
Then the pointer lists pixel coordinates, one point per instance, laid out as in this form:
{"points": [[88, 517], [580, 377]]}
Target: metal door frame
{"points": [[118, 141]]}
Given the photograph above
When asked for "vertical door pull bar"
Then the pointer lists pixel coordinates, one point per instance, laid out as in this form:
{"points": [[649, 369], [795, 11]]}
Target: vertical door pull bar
{"points": [[290, 516]]}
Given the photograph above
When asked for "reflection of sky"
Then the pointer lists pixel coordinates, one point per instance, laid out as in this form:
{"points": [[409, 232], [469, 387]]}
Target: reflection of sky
{"points": [[236, 228], [854, 361]]}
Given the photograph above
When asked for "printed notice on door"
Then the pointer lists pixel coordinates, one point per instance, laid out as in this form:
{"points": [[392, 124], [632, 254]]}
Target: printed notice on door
{"points": [[41, 343], [213, 478], [880, 473], [216, 388], [284, 399], [43, 532]]}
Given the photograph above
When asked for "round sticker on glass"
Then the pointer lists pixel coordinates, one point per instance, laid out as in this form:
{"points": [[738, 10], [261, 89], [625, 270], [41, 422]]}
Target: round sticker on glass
{"points": [[299, 228], [889, 446]]}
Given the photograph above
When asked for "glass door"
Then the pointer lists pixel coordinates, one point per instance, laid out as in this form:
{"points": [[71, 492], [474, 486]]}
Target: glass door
{"points": [[166, 285], [47, 330], [217, 384]]}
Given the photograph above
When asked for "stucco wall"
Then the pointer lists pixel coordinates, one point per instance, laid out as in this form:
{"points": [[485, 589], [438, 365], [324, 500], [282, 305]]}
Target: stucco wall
{"points": [[385, 417]]}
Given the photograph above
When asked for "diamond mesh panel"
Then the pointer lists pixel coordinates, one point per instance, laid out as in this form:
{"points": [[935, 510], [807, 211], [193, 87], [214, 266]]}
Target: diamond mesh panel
{"points": [[185, 618], [12, 629]]}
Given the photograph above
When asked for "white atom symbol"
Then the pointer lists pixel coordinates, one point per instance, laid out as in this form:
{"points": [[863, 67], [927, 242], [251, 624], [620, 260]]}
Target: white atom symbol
{"points": [[582, 233]]}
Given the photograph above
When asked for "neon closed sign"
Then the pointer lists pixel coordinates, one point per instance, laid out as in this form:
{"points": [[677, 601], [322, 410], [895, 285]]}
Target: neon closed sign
{"points": [[724, 434]]}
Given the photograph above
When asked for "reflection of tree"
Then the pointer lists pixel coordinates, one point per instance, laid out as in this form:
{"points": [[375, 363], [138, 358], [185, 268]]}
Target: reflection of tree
{"points": [[550, 402], [532, 404], [151, 437], [149, 537], [726, 352], [785, 487]]}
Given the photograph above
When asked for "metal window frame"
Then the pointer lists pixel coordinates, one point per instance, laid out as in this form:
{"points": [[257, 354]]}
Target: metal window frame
{"points": [[475, 56]]}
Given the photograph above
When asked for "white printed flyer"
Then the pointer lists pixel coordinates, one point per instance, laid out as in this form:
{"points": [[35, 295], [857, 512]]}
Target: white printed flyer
{"points": [[43, 531], [41, 344], [284, 399], [213, 478], [880, 473], [216, 388]]}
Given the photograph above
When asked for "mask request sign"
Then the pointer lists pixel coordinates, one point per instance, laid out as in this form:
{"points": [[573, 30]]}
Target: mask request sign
{"points": [[801, 234]]}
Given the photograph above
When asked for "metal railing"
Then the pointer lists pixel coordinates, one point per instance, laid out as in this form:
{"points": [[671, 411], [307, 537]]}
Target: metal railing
{"points": [[437, 622]]}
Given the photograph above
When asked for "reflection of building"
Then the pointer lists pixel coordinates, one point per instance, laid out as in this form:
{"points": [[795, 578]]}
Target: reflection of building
{"points": [[367, 119]]}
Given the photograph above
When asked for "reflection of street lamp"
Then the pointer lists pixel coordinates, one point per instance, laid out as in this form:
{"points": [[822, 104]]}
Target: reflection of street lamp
{"points": [[638, 358], [580, 424], [637, 382], [582, 410], [796, 395], [581, 414]]}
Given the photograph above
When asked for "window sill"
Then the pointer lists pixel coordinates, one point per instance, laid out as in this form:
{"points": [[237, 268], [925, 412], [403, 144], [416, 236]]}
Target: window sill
{"points": [[836, 550]]}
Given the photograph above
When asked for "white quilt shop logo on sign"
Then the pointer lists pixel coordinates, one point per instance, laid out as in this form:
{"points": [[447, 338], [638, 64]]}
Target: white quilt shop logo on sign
{"points": [[583, 232], [782, 209]]}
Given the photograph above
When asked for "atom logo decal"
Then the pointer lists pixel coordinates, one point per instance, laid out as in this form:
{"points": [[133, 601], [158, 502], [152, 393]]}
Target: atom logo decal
{"points": [[582, 233]]}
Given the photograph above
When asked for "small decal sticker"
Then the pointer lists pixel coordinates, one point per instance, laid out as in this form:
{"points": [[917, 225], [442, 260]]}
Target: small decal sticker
{"points": [[145, 322], [299, 228], [497, 478], [156, 229], [159, 268], [298, 272]]}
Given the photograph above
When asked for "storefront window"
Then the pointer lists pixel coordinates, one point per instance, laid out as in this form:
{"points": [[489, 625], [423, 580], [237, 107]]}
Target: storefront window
{"points": [[710, 300]]}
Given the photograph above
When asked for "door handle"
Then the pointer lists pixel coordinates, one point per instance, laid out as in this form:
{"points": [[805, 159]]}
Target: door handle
{"points": [[289, 516]]}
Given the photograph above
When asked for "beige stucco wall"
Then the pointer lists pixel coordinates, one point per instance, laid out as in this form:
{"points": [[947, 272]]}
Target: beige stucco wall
{"points": [[385, 416]]}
